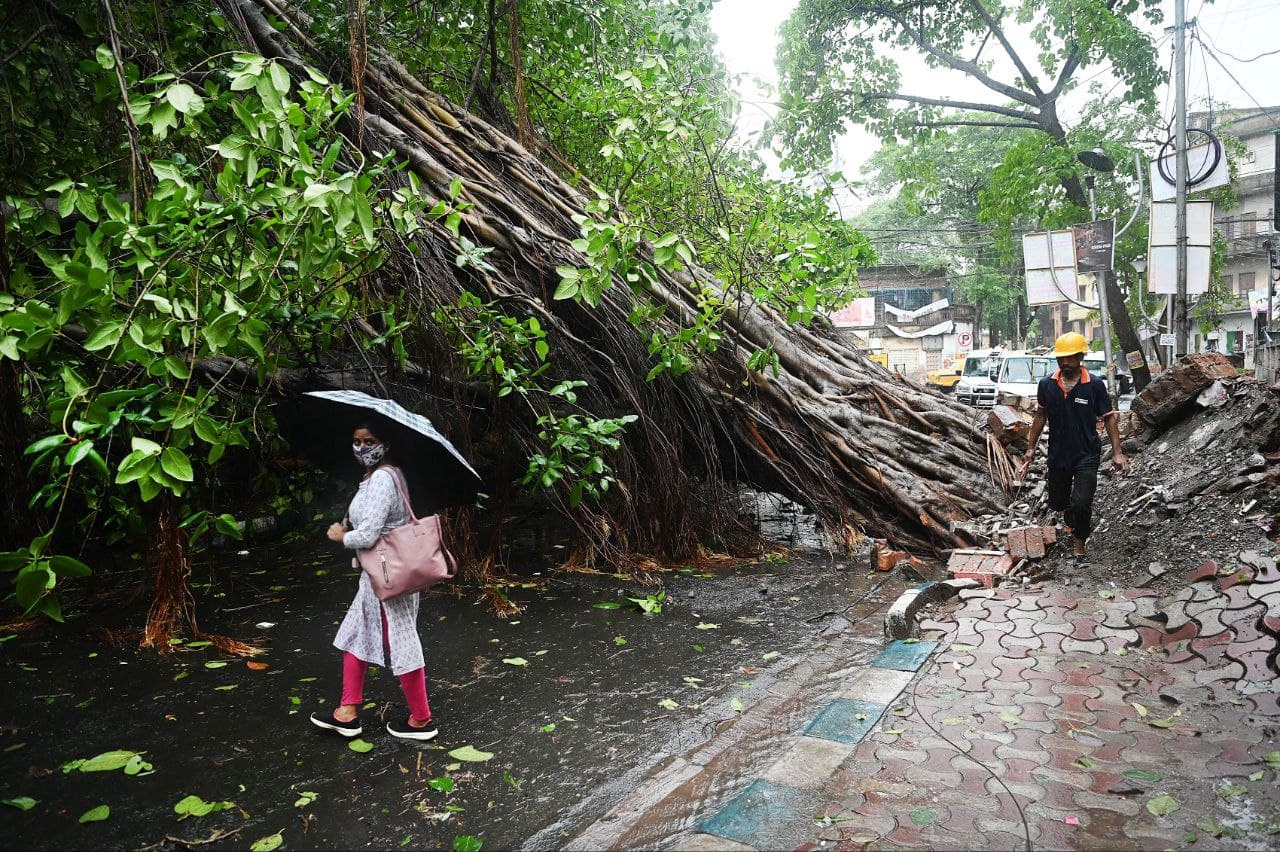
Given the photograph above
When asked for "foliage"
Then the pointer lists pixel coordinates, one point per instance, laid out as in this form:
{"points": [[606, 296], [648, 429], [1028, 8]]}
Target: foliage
{"points": [[133, 318]]}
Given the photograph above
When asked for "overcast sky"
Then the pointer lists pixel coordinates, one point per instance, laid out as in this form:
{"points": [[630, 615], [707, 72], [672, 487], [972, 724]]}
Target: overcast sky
{"points": [[1234, 30]]}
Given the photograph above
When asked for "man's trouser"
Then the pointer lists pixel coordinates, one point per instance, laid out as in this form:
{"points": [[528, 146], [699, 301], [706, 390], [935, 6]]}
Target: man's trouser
{"points": [[1071, 492]]}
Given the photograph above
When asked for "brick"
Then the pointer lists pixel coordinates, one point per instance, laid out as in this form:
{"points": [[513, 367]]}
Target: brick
{"points": [[808, 763]]}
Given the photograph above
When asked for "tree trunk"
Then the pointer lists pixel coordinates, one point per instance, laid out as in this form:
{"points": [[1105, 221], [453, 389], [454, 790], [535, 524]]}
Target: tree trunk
{"points": [[1126, 336], [15, 517], [870, 453]]}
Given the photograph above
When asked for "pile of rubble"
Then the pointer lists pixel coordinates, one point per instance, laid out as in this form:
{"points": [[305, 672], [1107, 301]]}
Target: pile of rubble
{"points": [[1204, 443]]}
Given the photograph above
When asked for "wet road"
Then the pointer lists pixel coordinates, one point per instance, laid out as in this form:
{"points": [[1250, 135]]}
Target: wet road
{"points": [[604, 695]]}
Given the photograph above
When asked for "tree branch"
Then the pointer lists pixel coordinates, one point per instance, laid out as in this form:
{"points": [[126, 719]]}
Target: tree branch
{"points": [[971, 68], [994, 26], [969, 106], [958, 123]]}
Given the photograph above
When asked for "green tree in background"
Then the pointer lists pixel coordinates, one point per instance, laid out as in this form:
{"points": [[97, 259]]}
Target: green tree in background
{"points": [[834, 70]]}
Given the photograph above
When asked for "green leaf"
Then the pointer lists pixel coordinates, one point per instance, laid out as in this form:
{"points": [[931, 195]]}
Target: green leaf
{"points": [[470, 754], [1163, 804], [607, 605], [467, 843], [305, 798], [54, 440], [703, 625], [1230, 791], [184, 99], [22, 803], [104, 336], [548, 728], [176, 464], [668, 704], [735, 704], [269, 843], [65, 566], [924, 816], [360, 746], [106, 762], [145, 446], [97, 814], [516, 661], [1147, 775], [280, 78], [567, 289], [77, 453]]}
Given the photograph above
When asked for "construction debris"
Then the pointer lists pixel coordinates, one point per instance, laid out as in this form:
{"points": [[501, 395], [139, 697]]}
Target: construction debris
{"points": [[985, 566], [1175, 393], [1008, 425]]}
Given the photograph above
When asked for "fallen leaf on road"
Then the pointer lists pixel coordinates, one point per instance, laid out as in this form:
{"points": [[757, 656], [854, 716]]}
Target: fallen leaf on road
{"points": [[1142, 711], [360, 746], [1142, 775], [97, 814], [1164, 804], [924, 816], [516, 661], [1230, 791], [257, 666], [668, 704], [470, 754], [1256, 776], [736, 705], [702, 625], [269, 843]]}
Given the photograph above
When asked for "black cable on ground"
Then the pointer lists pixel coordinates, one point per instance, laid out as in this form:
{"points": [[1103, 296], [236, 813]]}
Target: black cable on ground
{"points": [[1026, 827]]}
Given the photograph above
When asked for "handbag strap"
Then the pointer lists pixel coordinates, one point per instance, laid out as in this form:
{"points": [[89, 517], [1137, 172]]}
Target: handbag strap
{"points": [[398, 476]]}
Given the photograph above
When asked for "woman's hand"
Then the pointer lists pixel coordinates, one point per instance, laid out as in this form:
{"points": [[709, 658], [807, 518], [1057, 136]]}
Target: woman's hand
{"points": [[335, 533]]}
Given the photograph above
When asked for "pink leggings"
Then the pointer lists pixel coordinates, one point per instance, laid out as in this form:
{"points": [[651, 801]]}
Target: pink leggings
{"points": [[413, 684]]}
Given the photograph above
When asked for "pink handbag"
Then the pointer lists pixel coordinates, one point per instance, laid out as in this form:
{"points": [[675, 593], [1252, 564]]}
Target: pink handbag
{"points": [[410, 558]]}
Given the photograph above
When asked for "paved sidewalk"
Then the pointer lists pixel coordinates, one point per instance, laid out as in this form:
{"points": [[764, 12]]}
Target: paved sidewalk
{"points": [[1051, 719]]}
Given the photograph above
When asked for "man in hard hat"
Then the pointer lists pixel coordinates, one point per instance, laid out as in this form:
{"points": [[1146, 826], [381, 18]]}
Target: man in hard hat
{"points": [[1072, 402]]}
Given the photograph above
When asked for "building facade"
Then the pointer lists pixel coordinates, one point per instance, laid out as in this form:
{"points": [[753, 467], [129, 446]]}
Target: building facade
{"points": [[908, 314], [1246, 273]]}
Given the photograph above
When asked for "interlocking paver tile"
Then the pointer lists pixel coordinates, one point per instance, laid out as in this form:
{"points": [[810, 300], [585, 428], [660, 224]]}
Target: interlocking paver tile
{"points": [[1203, 572]]}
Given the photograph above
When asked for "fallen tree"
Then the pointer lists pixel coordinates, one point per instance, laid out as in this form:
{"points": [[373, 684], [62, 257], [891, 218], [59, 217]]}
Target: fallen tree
{"points": [[868, 452], [574, 349]]}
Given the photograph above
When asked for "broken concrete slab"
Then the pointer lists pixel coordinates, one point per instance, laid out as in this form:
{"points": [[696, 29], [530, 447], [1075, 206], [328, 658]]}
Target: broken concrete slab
{"points": [[1175, 393]]}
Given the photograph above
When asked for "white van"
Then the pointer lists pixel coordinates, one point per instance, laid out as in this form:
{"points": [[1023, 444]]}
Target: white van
{"points": [[1019, 373], [975, 386]]}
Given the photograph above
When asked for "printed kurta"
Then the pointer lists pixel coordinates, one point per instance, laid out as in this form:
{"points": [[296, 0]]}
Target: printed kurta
{"points": [[376, 509]]}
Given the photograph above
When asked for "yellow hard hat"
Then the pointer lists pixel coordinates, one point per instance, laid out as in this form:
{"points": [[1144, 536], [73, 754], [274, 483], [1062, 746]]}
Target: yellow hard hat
{"points": [[1070, 343]]}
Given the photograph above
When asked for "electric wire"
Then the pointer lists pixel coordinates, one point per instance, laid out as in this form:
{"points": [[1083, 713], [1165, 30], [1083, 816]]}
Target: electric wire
{"points": [[1026, 827], [1269, 114]]}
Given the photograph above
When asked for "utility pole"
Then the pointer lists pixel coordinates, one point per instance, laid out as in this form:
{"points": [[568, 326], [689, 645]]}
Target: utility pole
{"points": [[1100, 279], [1180, 146]]}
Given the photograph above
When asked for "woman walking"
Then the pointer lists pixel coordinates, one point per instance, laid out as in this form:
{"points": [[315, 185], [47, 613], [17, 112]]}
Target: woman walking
{"points": [[372, 626]]}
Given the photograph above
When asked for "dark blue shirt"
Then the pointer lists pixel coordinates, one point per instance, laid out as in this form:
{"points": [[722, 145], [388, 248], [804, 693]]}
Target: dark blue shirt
{"points": [[1073, 419]]}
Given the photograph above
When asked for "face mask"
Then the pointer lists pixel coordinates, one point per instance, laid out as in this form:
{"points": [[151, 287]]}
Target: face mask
{"points": [[369, 456]]}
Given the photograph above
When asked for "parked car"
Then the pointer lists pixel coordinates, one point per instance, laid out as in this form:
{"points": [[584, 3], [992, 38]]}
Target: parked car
{"points": [[975, 386], [1018, 373], [946, 380]]}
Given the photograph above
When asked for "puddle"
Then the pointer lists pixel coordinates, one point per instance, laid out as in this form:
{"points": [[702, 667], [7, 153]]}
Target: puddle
{"points": [[597, 675]]}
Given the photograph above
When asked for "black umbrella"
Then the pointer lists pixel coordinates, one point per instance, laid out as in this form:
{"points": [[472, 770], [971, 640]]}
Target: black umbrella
{"points": [[438, 475]]}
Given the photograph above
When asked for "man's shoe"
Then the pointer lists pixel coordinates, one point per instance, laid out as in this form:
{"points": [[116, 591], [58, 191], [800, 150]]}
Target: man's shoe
{"points": [[329, 722], [405, 731]]}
